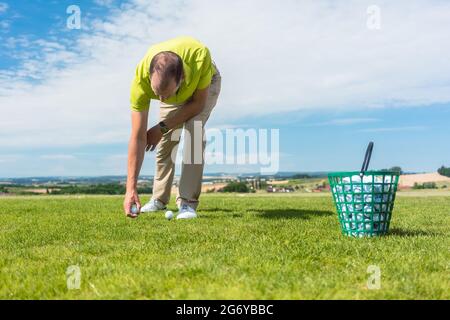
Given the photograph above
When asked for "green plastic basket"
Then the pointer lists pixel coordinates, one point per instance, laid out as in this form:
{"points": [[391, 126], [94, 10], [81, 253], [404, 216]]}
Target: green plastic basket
{"points": [[364, 199]]}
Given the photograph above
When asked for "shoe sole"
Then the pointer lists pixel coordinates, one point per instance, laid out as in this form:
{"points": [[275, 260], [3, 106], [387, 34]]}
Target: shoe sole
{"points": [[186, 218], [154, 210]]}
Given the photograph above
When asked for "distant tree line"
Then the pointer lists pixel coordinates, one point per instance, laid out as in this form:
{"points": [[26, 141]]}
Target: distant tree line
{"points": [[109, 188], [301, 176], [444, 171], [425, 185], [3, 189], [236, 187], [394, 169]]}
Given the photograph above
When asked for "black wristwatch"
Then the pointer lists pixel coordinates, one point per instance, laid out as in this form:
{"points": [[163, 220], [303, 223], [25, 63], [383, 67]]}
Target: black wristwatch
{"points": [[163, 127]]}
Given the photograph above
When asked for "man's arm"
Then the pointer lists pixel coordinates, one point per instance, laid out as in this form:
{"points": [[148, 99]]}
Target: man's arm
{"points": [[184, 113], [136, 151], [136, 146], [190, 109]]}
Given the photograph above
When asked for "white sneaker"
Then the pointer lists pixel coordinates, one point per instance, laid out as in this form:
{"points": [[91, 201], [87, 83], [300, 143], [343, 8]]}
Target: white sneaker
{"points": [[186, 212], [152, 206]]}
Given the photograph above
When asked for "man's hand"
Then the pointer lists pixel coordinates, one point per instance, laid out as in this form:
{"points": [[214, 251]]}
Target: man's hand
{"points": [[131, 197], [154, 135]]}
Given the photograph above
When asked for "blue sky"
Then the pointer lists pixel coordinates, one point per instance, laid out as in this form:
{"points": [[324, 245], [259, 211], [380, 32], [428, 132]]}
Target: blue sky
{"points": [[40, 19], [320, 75]]}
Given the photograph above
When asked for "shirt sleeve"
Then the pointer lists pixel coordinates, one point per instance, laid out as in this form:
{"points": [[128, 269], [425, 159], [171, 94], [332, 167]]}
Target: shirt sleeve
{"points": [[139, 99], [206, 72]]}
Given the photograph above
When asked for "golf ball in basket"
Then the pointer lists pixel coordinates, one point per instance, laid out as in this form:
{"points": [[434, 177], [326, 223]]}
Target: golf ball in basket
{"points": [[134, 209], [357, 189], [368, 198], [378, 188], [169, 215]]}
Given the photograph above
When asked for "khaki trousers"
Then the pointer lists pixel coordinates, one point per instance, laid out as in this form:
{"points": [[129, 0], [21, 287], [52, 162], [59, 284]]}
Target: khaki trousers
{"points": [[190, 184]]}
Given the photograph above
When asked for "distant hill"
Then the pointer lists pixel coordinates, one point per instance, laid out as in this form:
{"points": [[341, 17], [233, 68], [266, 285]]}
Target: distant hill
{"points": [[56, 180], [67, 180], [408, 180]]}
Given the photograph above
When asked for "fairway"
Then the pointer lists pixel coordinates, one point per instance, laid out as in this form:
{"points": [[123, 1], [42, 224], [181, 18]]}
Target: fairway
{"points": [[241, 247]]}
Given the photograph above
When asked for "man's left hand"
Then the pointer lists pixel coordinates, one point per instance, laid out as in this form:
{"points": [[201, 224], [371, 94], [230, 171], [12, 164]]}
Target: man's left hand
{"points": [[154, 135]]}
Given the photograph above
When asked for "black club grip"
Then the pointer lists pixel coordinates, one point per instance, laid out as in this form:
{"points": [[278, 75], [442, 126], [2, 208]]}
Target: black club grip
{"points": [[365, 165]]}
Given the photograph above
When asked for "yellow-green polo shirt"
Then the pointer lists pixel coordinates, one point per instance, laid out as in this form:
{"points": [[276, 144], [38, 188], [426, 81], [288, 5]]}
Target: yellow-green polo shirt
{"points": [[197, 65]]}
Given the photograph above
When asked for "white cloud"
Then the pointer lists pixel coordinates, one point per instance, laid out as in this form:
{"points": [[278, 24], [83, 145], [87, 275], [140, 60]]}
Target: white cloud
{"points": [[348, 121], [228, 126], [273, 58], [4, 24], [395, 129], [106, 3], [57, 157], [345, 121], [3, 7], [10, 157]]}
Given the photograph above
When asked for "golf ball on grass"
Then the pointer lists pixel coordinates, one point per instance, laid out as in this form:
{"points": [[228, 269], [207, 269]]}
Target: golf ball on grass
{"points": [[134, 209], [169, 215]]}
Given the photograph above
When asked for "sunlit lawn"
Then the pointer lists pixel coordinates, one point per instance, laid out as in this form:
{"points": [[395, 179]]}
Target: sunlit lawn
{"points": [[240, 247]]}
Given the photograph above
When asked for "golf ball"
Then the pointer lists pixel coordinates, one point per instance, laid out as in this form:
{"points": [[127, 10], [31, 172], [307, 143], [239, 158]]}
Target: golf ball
{"points": [[134, 209], [169, 215], [368, 198], [357, 189]]}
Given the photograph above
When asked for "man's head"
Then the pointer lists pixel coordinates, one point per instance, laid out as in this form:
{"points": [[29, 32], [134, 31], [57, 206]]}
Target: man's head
{"points": [[166, 72]]}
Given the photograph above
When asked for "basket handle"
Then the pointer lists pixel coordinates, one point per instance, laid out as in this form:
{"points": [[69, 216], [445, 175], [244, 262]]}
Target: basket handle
{"points": [[365, 165]]}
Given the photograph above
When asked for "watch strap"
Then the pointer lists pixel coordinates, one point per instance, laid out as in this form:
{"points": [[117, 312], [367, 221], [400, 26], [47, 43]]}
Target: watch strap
{"points": [[164, 128]]}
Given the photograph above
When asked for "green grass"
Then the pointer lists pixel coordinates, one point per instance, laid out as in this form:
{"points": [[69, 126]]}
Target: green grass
{"points": [[240, 247]]}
